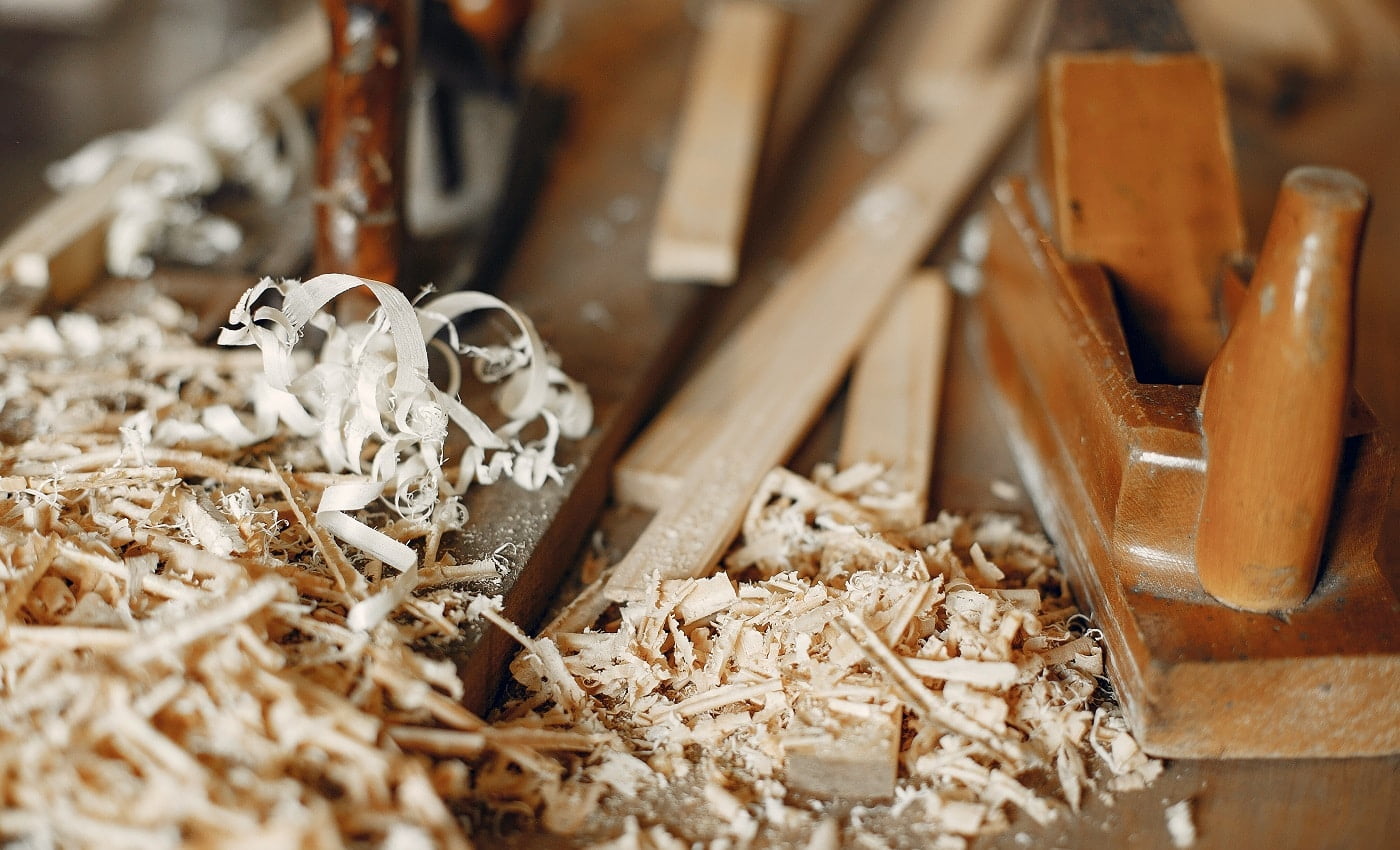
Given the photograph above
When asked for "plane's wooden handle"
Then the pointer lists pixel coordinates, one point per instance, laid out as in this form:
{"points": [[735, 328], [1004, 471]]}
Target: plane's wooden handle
{"points": [[360, 162], [1275, 399]]}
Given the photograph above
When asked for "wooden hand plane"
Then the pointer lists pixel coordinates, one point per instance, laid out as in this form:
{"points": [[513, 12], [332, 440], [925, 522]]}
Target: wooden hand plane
{"points": [[1192, 441]]}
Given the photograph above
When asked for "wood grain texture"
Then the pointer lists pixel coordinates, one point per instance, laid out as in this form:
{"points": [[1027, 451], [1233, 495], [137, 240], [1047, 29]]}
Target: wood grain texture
{"points": [[1275, 400], [699, 227], [763, 390], [963, 38], [893, 401], [1140, 172]]}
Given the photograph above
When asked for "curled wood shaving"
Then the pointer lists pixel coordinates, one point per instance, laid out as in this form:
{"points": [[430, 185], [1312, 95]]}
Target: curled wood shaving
{"points": [[173, 168], [188, 654]]}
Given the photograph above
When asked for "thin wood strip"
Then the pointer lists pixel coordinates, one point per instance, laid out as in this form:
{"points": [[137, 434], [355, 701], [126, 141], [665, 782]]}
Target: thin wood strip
{"points": [[652, 469], [452, 742], [963, 38], [59, 252], [806, 335], [892, 406], [699, 224]]}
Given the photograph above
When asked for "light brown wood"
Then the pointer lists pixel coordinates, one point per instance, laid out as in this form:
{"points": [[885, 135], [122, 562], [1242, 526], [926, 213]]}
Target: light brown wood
{"points": [[58, 253], [699, 227], [1251, 803], [1275, 399], [1140, 172], [1295, 37], [860, 762], [893, 401], [963, 38], [820, 36], [1117, 470], [653, 467], [762, 391]]}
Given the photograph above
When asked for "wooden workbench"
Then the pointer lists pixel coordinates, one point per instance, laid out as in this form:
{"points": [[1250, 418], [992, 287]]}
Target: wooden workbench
{"points": [[624, 62]]}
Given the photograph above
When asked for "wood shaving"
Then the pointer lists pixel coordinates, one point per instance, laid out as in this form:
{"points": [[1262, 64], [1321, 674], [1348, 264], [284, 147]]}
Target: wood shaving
{"points": [[175, 167], [1181, 824], [937, 676], [188, 654]]}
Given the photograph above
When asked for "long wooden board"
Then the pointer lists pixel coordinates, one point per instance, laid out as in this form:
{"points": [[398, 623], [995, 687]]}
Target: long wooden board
{"points": [[893, 401]]}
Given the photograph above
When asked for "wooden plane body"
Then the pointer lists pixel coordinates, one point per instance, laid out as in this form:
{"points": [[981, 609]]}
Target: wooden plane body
{"points": [[1118, 468]]}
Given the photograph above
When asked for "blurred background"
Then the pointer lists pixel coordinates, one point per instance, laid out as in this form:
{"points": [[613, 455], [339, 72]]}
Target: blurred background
{"points": [[1310, 80]]}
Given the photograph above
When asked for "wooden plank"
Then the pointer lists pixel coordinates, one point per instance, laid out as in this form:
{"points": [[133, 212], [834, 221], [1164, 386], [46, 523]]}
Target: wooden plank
{"points": [[771, 381], [59, 252], [963, 38], [893, 401], [699, 225]]}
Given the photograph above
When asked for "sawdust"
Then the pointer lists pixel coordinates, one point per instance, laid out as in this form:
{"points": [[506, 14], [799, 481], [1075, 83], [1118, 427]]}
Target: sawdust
{"points": [[187, 656], [181, 661], [843, 679]]}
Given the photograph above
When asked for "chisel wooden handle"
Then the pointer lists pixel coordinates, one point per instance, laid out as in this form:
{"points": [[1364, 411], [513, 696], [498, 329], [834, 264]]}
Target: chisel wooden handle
{"points": [[1275, 399], [360, 163]]}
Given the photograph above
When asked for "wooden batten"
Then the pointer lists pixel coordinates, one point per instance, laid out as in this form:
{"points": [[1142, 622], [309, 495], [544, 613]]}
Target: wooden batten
{"points": [[704, 206], [652, 469], [893, 402]]}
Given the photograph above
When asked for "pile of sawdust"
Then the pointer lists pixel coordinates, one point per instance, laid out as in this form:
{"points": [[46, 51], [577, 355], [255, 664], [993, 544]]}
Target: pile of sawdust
{"points": [[180, 663], [939, 676]]}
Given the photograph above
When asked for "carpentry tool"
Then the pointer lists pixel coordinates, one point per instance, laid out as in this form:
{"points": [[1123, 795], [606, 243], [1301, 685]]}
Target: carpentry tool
{"points": [[481, 136], [446, 153], [1186, 474], [358, 219]]}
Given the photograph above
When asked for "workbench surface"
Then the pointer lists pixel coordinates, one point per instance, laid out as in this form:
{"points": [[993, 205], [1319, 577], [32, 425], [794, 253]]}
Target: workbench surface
{"points": [[624, 62]]}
